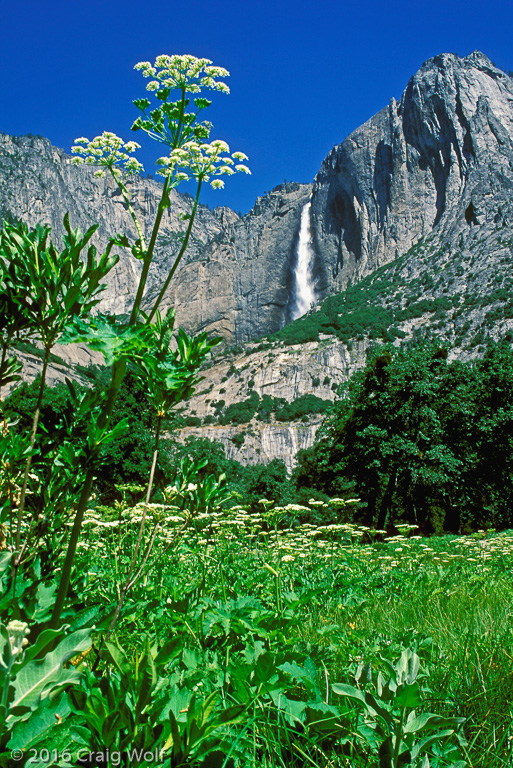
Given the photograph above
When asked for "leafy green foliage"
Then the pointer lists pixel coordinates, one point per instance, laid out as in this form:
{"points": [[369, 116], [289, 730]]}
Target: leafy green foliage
{"points": [[391, 725], [32, 680], [428, 439], [303, 407], [241, 412], [49, 287]]}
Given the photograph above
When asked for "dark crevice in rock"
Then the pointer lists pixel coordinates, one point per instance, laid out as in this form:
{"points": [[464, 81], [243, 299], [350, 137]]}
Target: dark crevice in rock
{"points": [[383, 173], [470, 215]]}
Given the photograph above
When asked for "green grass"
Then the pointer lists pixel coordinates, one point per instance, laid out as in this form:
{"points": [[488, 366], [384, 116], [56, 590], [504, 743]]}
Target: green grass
{"points": [[338, 595]]}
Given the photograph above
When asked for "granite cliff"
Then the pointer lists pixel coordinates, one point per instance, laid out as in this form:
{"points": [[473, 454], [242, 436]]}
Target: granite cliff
{"points": [[412, 234], [437, 161], [234, 280]]}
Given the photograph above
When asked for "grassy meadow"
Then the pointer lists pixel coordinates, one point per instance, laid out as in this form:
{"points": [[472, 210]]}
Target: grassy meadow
{"points": [[317, 642]]}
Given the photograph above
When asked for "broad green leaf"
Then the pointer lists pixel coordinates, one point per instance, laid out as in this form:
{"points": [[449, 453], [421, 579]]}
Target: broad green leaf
{"points": [[292, 709], [427, 720], [37, 678], [42, 723], [408, 695]]}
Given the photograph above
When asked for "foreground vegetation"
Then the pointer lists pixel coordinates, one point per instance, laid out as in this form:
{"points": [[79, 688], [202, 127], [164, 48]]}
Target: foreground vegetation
{"points": [[249, 643]]}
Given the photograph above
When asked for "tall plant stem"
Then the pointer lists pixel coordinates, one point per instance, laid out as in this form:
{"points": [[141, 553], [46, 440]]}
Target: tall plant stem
{"points": [[118, 373], [129, 582], [398, 736], [35, 423], [2, 363], [180, 254], [149, 253], [128, 202], [70, 553]]}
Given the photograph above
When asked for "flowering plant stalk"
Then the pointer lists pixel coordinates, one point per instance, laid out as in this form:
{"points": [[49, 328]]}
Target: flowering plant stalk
{"points": [[174, 122]]}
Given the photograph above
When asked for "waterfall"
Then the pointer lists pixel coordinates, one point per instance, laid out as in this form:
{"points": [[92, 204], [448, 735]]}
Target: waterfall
{"points": [[303, 293]]}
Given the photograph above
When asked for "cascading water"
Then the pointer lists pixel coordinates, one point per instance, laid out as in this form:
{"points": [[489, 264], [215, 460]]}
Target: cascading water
{"points": [[303, 290]]}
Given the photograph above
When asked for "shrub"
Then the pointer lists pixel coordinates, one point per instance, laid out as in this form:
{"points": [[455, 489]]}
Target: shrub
{"points": [[302, 407]]}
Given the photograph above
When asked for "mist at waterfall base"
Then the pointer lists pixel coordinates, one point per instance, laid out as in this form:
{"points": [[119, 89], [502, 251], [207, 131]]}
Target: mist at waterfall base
{"points": [[303, 289]]}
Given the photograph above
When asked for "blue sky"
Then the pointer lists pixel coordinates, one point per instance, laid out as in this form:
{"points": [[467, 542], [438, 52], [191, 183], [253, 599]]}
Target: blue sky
{"points": [[303, 74]]}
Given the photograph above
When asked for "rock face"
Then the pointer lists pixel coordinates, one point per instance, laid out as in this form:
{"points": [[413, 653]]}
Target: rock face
{"points": [[417, 204], [39, 184], [234, 280], [262, 443], [240, 285], [279, 372], [439, 160]]}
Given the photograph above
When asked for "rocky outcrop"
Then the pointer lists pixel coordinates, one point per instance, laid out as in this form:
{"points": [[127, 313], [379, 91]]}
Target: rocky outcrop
{"points": [[281, 373], [234, 280], [261, 442], [437, 161], [240, 287], [417, 203], [285, 372]]}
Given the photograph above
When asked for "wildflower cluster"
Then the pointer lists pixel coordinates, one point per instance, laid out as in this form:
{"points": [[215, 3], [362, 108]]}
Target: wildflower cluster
{"points": [[184, 72], [202, 161], [107, 151], [170, 123]]}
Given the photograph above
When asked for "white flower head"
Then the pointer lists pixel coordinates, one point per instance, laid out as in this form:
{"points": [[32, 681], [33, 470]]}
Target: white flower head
{"points": [[107, 151], [185, 72]]}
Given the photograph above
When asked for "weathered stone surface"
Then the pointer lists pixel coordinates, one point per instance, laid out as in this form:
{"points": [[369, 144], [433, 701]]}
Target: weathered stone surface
{"points": [[439, 160], [240, 286], [423, 190], [262, 444], [280, 372], [234, 279], [39, 184]]}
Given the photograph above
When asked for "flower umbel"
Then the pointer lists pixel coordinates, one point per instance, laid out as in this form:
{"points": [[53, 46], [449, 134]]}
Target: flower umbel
{"points": [[107, 151], [185, 72], [170, 122], [202, 161]]}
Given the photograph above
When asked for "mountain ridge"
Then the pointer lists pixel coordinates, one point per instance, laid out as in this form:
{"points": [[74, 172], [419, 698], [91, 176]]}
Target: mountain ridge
{"points": [[412, 230]]}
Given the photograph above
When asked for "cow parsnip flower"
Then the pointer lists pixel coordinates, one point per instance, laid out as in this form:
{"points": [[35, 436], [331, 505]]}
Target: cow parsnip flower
{"points": [[184, 72], [107, 151], [202, 161]]}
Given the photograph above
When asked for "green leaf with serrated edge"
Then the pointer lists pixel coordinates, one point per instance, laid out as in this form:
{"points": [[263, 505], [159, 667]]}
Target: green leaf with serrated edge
{"points": [[293, 710], [176, 704], [112, 341], [121, 240], [38, 677], [45, 599], [42, 722]]}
